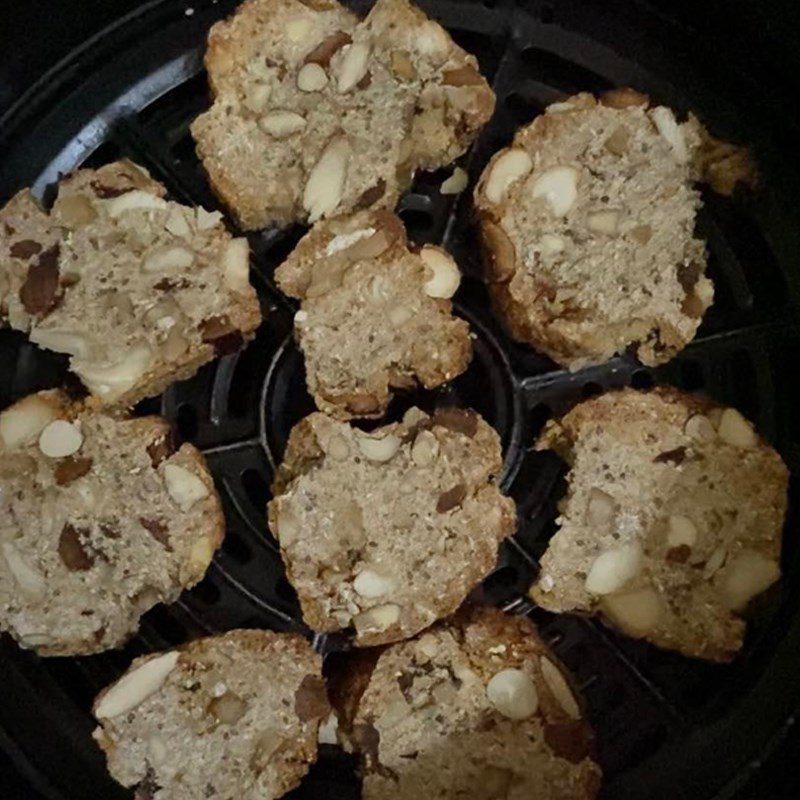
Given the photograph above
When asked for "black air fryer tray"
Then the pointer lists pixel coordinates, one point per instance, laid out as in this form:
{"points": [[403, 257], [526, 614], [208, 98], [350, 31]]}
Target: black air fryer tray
{"points": [[667, 726]]}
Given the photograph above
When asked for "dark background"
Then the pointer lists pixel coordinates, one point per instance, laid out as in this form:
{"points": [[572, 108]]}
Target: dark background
{"points": [[763, 35]]}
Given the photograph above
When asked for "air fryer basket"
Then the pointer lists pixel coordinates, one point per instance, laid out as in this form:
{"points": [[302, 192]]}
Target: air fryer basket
{"points": [[667, 726]]}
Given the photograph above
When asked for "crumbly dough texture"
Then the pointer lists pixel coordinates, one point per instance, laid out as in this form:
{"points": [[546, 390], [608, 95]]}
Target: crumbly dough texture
{"points": [[424, 726], [587, 225], [139, 291], [642, 464], [91, 541], [235, 719], [383, 96], [389, 531], [367, 323]]}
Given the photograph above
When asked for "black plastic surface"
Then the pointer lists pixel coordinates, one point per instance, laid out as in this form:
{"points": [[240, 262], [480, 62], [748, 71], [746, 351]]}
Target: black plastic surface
{"points": [[667, 727]]}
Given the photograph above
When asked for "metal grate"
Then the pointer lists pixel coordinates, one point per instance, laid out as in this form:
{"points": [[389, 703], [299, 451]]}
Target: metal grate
{"points": [[655, 713]]}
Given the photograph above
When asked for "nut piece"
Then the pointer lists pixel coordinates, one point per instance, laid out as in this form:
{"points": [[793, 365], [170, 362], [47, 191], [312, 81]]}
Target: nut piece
{"points": [[513, 693], [558, 187], [257, 98], [353, 66], [462, 76], [328, 730], [135, 687], [236, 263], [681, 531], [184, 487], [715, 562], [667, 126], [370, 584], [603, 222], [401, 66], [612, 569], [617, 142], [201, 554], [380, 450], [699, 428], [377, 619], [75, 211], [137, 200], [456, 183], [228, 709], [282, 124], [326, 182], [31, 582], [512, 165], [624, 97], [110, 380], [311, 78], [424, 449], [207, 219], [746, 576], [635, 613], [446, 275], [22, 423], [558, 685], [60, 438], [168, 259], [325, 50], [736, 430], [498, 251], [62, 341], [601, 508]]}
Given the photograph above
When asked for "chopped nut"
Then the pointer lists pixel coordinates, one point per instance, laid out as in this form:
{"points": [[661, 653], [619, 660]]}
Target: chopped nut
{"points": [[311, 78], [353, 66], [612, 569], [635, 613], [297, 28], [747, 575], [257, 98], [40, 291], [327, 732], [446, 276], [174, 346], [30, 580], [324, 51], [311, 699], [513, 693], [558, 685], [207, 219], [377, 619], [605, 222], [508, 168], [71, 550], [667, 126], [236, 262], [22, 423], [371, 196], [183, 486], [75, 211], [452, 498], [69, 469], [462, 76], [456, 183], [379, 450], [699, 428], [227, 709], [424, 449], [370, 584], [161, 449], [288, 526], [601, 508], [136, 200], [679, 554], [25, 249], [282, 124], [675, 456], [337, 448], [60, 438], [641, 234], [114, 379], [136, 686], [158, 530], [681, 531], [623, 98], [558, 187], [200, 555], [735, 430], [499, 251], [715, 562], [617, 143], [325, 185], [177, 224], [457, 420], [62, 341], [402, 66]]}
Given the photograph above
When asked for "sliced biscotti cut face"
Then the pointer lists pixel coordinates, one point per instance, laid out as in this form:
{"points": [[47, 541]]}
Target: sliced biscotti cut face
{"points": [[588, 228], [138, 290], [672, 520], [318, 113], [374, 315], [231, 716], [100, 520], [476, 707], [388, 531]]}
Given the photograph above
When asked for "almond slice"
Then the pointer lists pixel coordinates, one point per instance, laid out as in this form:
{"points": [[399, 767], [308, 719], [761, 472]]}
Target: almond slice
{"points": [[22, 423], [671, 132], [112, 380], [747, 575], [184, 487], [699, 428], [558, 187], [135, 687], [612, 569], [446, 276], [456, 183], [201, 555], [352, 66], [236, 263], [60, 439], [635, 613], [325, 184], [137, 200], [377, 619], [558, 685], [510, 167], [168, 259], [736, 430], [379, 450], [370, 584], [312, 78], [513, 693], [282, 124]]}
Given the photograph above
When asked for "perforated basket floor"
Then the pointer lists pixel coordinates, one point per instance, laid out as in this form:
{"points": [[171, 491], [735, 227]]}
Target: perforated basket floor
{"points": [[667, 726]]}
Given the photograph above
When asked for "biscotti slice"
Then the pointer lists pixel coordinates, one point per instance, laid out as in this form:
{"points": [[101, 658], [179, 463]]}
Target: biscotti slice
{"points": [[100, 520], [231, 717], [374, 315], [587, 224], [672, 521], [475, 707], [318, 113], [138, 290], [388, 531]]}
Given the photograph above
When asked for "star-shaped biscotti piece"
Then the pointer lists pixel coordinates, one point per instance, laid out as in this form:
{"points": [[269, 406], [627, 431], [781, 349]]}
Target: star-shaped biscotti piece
{"points": [[317, 112]]}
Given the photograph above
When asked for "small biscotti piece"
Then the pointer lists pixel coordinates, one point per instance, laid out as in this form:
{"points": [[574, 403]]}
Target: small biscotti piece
{"points": [[100, 520], [475, 707], [139, 291], [587, 223], [232, 716], [373, 315], [317, 113], [388, 531], [672, 522]]}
